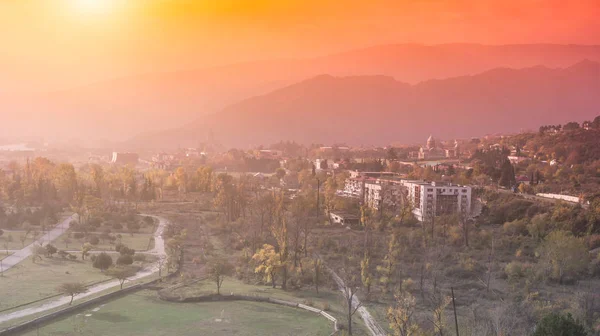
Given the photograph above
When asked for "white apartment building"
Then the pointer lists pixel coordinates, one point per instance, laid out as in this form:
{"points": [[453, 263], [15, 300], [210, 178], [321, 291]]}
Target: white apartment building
{"points": [[386, 193], [354, 187], [430, 199]]}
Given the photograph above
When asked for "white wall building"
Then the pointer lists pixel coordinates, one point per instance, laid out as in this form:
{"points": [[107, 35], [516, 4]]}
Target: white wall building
{"points": [[386, 193], [430, 199]]}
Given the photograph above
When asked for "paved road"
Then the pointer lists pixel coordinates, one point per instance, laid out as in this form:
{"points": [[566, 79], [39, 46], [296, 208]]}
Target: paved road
{"points": [[159, 249], [25, 252]]}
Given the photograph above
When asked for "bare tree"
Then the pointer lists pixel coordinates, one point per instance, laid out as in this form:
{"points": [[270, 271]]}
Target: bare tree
{"points": [[401, 315], [72, 289], [438, 304], [217, 270], [351, 286], [121, 273]]}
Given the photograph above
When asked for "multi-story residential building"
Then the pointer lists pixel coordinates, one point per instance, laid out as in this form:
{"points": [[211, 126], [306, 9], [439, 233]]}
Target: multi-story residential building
{"points": [[380, 193], [354, 187], [430, 199]]}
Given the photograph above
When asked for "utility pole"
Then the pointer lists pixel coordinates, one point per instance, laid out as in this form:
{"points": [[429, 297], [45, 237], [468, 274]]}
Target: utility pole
{"points": [[454, 307], [318, 193]]}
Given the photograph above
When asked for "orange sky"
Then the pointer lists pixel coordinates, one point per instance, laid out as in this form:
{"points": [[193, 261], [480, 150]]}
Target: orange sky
{"points": [[50, 44]]}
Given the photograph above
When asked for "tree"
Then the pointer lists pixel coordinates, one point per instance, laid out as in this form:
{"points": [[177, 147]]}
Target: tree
{"points": [[365, 273], [23, 238], [161, 262], [571, 126], [596, 123], [438, 304], [318, 268], [121, 273], [103, 261], [401, 315], [181, 178], [557, 324], [562, 255], [85, 250], [507, 174], [349, 291], [391, 154], [67, 240], [217, 270], [279, 230], [267, 261], [7, 240], [72, 289], [280, 173], [37, 251], [125, 259], [51, 250]]}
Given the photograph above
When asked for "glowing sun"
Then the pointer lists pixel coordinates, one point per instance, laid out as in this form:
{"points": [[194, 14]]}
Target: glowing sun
{"points": [[93, 6]]}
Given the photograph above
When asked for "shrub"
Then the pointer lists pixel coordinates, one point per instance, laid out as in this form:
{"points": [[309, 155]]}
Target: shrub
{"points": [[562, 255], [103, 261], [94, 240], [407, 285], [594, 241], [139, 257], [515, 228], [78, 235], [559, 325], [516, 270], [117, 226], [125, 259], [325, 306]]}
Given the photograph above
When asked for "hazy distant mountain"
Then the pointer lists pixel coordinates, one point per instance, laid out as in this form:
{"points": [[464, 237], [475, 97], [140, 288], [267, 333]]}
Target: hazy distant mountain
{"points": [[380, 110], [123, 107]]}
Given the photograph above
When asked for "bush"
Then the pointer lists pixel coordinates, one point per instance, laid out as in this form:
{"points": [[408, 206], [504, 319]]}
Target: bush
{"points": [[559, 325], [78, 235], [515, 228], [325, 306], [94, 240], [139, 257], [563, 256], [133, 226], [103, 261], [593, 241], [516, 270], [407, 285], [117, 226], [125, 259]]}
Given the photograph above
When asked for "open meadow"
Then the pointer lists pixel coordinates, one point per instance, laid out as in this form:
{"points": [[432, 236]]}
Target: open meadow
{"points": [[143, 314]]}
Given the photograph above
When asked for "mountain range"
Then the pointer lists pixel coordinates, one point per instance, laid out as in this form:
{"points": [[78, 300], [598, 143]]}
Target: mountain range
{"points": [[378, 110], [400, 75]]}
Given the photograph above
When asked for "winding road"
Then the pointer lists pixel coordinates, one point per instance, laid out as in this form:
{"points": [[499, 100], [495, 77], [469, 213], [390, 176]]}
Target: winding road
{"points": [[159, 249]]}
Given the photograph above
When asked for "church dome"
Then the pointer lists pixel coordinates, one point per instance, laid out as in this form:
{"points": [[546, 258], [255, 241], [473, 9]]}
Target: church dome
{"points": [[431, 142]]}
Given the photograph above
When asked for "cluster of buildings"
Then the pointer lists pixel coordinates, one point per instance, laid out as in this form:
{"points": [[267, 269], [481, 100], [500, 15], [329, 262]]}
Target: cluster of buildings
{"points": [[426, 199], [434, 151]]}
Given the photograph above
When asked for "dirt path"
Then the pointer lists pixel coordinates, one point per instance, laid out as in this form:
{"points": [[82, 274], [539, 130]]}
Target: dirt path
{"points": [[159, 249], [374, 327]]}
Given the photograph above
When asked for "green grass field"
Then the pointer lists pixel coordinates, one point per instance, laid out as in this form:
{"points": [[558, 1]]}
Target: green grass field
{"points": [[28, 282], [15, 244], [4, 255], [326, 299], [143, 314]]}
